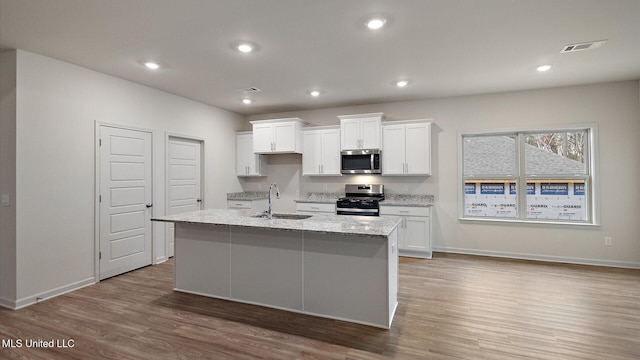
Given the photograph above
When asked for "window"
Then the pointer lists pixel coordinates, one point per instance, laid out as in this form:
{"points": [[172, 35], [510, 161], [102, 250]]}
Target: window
{"points": [[529, 175]]}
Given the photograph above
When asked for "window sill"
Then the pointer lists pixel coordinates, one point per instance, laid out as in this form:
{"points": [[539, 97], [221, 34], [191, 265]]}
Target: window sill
{"points": [[528, 222]]}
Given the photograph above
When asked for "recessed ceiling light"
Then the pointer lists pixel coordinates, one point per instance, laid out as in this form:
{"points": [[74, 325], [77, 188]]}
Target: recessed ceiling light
{"points": [[543, 68], [152, 65], [245, 47], [247, 101], [375, 23], [401, 83], [315, 93]]}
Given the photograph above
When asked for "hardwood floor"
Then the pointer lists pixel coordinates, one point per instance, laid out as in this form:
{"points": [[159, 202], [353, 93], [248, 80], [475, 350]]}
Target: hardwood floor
{"points": [[451, 307]]}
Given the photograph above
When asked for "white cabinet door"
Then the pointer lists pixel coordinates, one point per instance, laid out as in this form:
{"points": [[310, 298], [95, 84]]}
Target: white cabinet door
{"points": [[350, 131], [360, 132], [244, 148], [370, 133], [254, 205], [331, 152], [406, 148], [418, 149], [414, 231], [247, 162], [312, 154], [284, 137], [312, 208], [263, 138], [415, 234], [393, 152]]}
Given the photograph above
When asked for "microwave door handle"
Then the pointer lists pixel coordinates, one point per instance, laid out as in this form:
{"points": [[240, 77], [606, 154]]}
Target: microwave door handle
{"points": [[372, 162]]}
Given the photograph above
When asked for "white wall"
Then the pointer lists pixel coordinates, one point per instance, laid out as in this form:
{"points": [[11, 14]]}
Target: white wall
{"points": [[8, 176], [613, 106], [57, 106]]}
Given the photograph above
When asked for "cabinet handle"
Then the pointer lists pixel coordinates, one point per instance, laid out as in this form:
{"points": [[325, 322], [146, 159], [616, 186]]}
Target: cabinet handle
{"points": [[404, 211], [315, 208], [321, 169]]}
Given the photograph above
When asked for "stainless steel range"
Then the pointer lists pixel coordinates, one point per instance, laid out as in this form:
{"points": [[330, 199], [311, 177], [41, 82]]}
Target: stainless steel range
{"points": [[361, 199]]}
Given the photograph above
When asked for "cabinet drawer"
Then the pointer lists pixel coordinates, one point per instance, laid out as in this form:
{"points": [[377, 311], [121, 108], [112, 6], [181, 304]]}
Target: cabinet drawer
{"points": [[404, 210], [238, 204], [316, 207]]}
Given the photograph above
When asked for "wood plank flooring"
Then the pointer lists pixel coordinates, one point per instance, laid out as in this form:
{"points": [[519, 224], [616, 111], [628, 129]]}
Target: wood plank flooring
{"points": [[451, 307]]}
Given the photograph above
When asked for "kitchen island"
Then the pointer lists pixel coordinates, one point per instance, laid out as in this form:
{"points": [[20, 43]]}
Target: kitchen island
{"points": [[339, 267]]}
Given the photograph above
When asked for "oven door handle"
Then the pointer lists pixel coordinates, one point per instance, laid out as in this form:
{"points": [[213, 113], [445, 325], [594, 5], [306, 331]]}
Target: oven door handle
{"points": [[357, 210]]}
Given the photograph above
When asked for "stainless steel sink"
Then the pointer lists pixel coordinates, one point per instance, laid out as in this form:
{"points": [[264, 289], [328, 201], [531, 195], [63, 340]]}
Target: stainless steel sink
{"points": [[282, 216]]}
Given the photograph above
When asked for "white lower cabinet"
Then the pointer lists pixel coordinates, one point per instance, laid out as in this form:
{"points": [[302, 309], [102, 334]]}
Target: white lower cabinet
{"points": [[311, 208], [414, 231], [254, 205]]}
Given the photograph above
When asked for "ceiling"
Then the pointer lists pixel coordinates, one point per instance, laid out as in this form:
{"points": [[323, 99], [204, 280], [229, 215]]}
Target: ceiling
{"points": [[443, 47]]}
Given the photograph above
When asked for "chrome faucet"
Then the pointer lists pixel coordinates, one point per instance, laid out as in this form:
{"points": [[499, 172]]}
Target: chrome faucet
{"points": [[269, 212]]}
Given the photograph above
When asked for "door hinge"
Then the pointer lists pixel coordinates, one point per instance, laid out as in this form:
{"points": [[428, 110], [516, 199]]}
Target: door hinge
{"points": [[100, 255], [99, 142], [99, 198]]}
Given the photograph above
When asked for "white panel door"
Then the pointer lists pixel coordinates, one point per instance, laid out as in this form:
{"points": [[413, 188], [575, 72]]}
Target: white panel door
{"points": [[418, 145], [312, 152], [370, 133], [331, 152], [185, 189], [125, 200], [350, 134], [393, 149]]}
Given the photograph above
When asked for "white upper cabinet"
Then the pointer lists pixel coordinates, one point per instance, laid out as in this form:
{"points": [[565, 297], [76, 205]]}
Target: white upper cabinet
{"points": [[277, 136], [321, 151], [406, 147], [361, 131], [248, 163]]}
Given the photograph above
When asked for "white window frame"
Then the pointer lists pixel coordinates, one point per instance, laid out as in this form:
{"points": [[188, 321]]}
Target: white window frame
{"points": [[593, 179]]}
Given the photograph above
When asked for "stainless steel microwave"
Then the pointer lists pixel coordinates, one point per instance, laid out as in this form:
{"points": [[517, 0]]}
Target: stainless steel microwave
{"points": [[361, 161]]}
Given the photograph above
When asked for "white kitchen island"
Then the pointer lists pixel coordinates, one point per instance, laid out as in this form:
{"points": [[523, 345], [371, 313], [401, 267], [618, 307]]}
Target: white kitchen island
{"points": [[339, 267]]}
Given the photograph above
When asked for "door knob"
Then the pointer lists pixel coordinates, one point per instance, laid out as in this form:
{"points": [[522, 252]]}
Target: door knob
{"points": [[198, 200], [149, 205]]}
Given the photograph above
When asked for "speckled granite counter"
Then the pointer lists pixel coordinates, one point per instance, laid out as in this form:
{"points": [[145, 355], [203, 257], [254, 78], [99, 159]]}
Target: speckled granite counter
{"points": [[321, 198], [321, 223], [408, 200], [390, 199], [248, 195]]}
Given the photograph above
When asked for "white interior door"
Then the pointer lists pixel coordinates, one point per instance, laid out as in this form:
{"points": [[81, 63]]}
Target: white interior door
{"points": [[185, 189], [125, 200]]}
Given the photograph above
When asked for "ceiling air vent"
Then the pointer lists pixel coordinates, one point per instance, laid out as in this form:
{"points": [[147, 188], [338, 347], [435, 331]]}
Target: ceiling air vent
{"points": [[252, 89], [583, 46]]}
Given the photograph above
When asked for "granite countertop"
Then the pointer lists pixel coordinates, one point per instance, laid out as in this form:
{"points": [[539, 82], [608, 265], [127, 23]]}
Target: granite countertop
{"points": [[248, 195], [390, 199], [408, 200], [370, 226], [320, 198]]}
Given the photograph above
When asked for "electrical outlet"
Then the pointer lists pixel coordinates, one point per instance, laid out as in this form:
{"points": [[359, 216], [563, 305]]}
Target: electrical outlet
{"points": [[259, 186], [608, 241], [325, 187], [297, 193], [405, 187]]}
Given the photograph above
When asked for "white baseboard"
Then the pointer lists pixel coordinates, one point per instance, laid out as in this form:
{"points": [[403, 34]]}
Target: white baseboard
{"points": [[7, 303], [160, 260], [547, 258], [45, 295]]}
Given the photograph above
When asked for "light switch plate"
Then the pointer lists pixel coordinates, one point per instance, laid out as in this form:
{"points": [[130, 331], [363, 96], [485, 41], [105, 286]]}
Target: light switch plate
{"points": [[5, 200]]}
